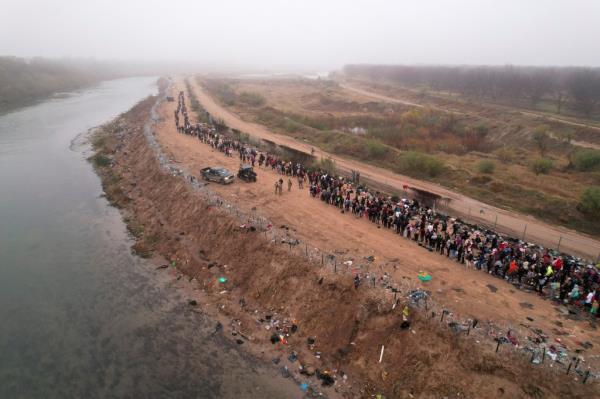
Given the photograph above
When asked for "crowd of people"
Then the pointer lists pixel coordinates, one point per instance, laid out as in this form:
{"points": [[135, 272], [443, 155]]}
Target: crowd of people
{"points": [[563, 278], [184, 127]]}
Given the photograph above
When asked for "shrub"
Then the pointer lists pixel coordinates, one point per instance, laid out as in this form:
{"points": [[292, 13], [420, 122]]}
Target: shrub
{"points": [[291, 126], [100, 160], [541, 166], [252, 99], [541, 138], [418, 163], [327, 164], [376, 149], [486, 166], [482, 130], [586, 160], [506, 154], [590, 201]]}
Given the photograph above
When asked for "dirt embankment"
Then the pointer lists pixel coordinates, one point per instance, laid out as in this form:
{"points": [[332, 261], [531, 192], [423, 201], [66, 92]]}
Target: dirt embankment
{"points": [[265, 281]]}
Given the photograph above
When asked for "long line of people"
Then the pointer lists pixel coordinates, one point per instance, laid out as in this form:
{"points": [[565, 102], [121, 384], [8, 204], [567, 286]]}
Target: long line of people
{"points": [[528, 266]]}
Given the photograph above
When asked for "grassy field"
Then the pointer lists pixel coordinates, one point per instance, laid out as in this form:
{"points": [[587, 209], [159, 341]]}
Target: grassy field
{"points": [[494, 155]]}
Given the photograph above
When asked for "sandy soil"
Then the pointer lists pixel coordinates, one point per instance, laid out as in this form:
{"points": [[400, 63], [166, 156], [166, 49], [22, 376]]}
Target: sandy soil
{"points": [[466, 292], [458, 205], [202, 242]]}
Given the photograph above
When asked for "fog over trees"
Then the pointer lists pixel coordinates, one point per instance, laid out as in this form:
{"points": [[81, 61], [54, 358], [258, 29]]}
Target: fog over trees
{"points": [[24, 80], [576, 87]]}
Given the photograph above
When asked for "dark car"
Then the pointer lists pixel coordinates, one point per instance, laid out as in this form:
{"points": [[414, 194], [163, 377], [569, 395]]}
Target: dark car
{"points": [[247, 173], [219, 175]]}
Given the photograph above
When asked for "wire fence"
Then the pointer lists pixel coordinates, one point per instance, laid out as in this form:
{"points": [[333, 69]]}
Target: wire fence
{"points": [[518, 339]]}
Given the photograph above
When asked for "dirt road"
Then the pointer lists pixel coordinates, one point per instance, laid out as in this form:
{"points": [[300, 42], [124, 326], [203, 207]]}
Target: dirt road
{"points": [[458, 205], [468, 293], [394, 100]]}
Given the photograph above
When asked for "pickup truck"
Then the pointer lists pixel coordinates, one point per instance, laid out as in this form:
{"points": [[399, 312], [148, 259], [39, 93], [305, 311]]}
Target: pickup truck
{"points": [[219, 175]]}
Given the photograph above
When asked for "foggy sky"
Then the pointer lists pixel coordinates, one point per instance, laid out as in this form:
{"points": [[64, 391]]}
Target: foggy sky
{"points": [[322, 34]]}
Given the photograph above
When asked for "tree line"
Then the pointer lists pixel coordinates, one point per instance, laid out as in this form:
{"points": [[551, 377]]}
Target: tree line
{"points": [[577, 88], [25, 80]]}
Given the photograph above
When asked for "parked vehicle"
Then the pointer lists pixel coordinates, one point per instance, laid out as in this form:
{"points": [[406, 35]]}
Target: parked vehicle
{"points": [[219, 175], [247, 173]]}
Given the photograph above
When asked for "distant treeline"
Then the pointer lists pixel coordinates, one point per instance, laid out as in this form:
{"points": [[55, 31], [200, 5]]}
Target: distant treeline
{"points": [[23, 81], [575, 87]]}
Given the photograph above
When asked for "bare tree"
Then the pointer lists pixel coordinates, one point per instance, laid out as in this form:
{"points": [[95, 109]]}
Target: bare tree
{"points": [[584, 86], [541, 138]]}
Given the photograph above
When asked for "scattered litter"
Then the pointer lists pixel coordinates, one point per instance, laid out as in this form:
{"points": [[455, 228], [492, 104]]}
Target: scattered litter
{"points": [[222, 280], [308, 370], [326, 377], [424, 276], [417, 295], [162, 267], [304, 387]]}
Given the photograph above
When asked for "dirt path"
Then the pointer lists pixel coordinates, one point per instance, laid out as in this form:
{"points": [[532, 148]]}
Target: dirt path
{"points": [[458, 205], [468, 293], [382, 97]]}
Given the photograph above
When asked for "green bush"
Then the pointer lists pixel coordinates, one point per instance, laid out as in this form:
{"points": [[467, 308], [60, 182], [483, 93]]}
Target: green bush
{"points": [[327, 164], [100, 160], [418, 163], [376, 149], [482, 131], [506, 154], [590, 201], [486, 166], [586, 160], [541, 166], [252, 99]]}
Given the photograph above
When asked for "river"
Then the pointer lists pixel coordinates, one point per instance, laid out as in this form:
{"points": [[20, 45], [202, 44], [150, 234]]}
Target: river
{"points": [[81, 317]]}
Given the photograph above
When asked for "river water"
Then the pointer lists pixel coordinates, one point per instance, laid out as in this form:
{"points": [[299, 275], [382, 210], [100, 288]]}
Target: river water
{"points": [[80, 316]]}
